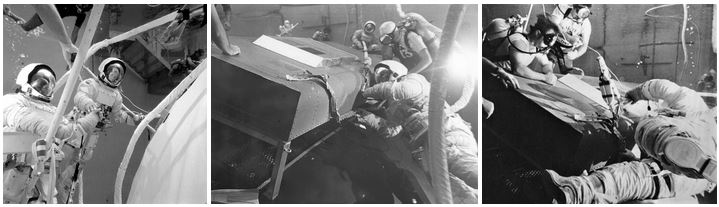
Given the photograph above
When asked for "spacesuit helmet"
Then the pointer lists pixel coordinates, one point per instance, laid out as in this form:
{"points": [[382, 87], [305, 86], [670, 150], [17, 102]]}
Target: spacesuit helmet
{"points": [[389, 70], [581, 12], [111, 71], [386, 32], [37, 80], [369, 27]]}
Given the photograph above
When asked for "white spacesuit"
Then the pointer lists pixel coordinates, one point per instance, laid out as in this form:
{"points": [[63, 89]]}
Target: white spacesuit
{"points": [[366, 35], [29, 111], [407, 111], [680, 140], [103, 94]]}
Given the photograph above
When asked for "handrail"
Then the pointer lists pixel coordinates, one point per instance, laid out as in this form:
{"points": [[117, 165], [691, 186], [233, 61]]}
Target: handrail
{"points": [[175, 94], [64, 100]]}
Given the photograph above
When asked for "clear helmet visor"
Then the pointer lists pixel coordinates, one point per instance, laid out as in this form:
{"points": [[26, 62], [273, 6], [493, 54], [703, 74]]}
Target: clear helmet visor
{"points": [[382, 74], [369, 28], [42, 84], [113, 74]]}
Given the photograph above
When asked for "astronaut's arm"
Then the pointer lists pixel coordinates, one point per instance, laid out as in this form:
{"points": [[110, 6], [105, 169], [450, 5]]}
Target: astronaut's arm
{"points": [[675, 96], [82, 97], [123, 116], [39, 124], [380, 125], [578, 52]]}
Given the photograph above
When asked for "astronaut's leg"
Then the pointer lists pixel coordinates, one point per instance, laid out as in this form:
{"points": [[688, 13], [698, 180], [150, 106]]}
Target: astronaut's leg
{"points": [[626, 181], [462, 153]]}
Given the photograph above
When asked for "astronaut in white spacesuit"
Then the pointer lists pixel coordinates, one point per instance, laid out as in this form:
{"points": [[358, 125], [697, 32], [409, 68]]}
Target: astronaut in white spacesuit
{"points": [[29, 110], [679, 140], [366, 35], [100, 95], [103, 94], [407, 97]]}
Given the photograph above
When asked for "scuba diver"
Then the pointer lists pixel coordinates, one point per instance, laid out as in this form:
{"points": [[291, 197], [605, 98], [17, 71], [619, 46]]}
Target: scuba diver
{"points": [[27, 111], [405, 45], [406, 117], [516, 51], [219, 36], [187, 19], [64, 10], [184, 66], [575, 30], [417, 23]]}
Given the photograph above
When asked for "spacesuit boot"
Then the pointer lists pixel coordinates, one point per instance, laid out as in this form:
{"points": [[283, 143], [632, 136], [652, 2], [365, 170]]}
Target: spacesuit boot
{"points": [[627, 181], [684, 145]]}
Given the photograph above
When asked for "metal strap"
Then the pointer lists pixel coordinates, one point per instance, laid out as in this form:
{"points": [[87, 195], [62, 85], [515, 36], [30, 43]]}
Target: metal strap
{"points": [[323, 81]]}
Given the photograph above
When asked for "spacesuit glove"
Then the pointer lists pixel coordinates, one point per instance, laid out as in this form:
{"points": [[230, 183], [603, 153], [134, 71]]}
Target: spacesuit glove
{"points": [[92, 107], [634, 95], [138, 117], [416, 125], [368, 119]]}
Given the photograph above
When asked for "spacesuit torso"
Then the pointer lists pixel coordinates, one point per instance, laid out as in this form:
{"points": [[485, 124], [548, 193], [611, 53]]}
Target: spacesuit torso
{"points": [[24, 114], [93, 93]]}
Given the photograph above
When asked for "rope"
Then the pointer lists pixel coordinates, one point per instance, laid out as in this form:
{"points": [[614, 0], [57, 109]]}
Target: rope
{"points": [[132, 103], [684, 20]]}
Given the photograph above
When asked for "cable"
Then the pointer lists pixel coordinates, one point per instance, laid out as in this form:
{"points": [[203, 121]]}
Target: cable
{"points": [[684, 20], [130, 100]]}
